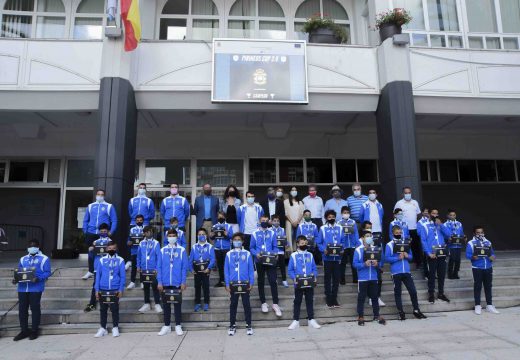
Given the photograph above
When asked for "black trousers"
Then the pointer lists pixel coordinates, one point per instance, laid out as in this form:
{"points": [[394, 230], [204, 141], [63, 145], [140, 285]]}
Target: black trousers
{"points": [[103, 314], [332, 273], [407, 280], [234, 305], [32, 300], [367, 288], [93, 299], [485, 277], [416, 247], [309, 302], [426, 270], [201, 283], [247, 241], [316, 252], [454, 262], [262, 270], [437, 268], [167, 308], [348, 257], [281, 265], [133, 272], [220, 257], [89, 239], [156, 295], [379, 282]]}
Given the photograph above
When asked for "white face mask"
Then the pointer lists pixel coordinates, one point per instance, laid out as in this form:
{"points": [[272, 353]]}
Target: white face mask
{"points": [[100, 198], [357, 193], [345, 216], [141, 192], [294, 193], [172, 240], [372, 197], [408, 197], [279, 194]]}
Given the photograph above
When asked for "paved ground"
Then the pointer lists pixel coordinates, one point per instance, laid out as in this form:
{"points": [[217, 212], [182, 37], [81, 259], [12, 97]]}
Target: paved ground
{"points": [[456, 335]]}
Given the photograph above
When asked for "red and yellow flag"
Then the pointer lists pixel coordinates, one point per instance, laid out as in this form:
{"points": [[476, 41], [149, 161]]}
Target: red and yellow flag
{"points": [[132, 22]]}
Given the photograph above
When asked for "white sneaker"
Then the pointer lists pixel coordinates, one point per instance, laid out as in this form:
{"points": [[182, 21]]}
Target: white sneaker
{"points": [[178, 330], [256, 275], [144, 308], [115, 332], [131, 286], [265, 308], [381, 303], [285, 284], [165, 330], [128, 265], [142, 286], [294, 325], [478, 309], [158, 308], [370, 302], [249, 331], [277, 310], [101, 332], [87, 275], [232, 330], [492, 309], [314, 324]]}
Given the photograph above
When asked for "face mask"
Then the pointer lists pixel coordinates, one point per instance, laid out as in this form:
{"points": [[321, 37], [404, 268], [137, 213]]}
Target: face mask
{"points": [[207, 192], [139, 223], [251, 200], [312, 194], [276, 224], [481, 236], [307, 218], [33, 250], [345, 216], [302, 247], [172, 240], [270, 196], [100, 198], [408, 197], [174, 226], [231, 193], [141, 192], [201, 238], [237, 244], [369, 241], [399, 216], [294, 193], [279, 194], [264, 224], [174, 191], [336, 194], [331, 221], [434, 218], [103, 235], [111, 252], [372, 197], [397, 237], [221, 220], [357, 193]]}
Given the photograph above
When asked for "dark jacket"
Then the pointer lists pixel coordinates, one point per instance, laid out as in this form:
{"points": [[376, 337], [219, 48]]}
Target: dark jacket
{"points": [[279, 210], [198, 209]]}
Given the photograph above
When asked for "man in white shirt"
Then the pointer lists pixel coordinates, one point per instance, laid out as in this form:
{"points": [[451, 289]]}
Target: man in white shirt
{"points": [[314, 204], [372, 211], [248, 216], [411, 210]]}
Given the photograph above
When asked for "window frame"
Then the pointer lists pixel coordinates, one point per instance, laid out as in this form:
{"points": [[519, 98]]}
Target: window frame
{"points": [[75, 15], [256, 19]]}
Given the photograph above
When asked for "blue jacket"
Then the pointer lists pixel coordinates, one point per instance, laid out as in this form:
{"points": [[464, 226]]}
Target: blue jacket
{"points": [[481, 262], [135, 231], [453, 228], [365, 273], [365, 211], [181, 238], [110, 273], [202, 252], [302, 263], [402, 225], [97, 214], [397, 266], [307, 229], [330, 235], [177, 207], [238, 266], [279, 231], [223, 244], [141, 205], [241, 215], [422, 228], [352, 240], [263, 241], [200, 210], [149, 255], [42, 265], [435, 237], [173, 266]]}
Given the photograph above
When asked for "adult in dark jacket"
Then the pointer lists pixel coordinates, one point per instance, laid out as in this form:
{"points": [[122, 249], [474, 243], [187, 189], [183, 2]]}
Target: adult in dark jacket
{"points": [[273, 206]]}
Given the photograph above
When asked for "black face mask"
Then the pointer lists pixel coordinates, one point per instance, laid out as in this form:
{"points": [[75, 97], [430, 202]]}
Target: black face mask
{"points": [[302, 247], [139, 223], [264, 224], [331, 221], [397, 236], [231, 193], [221, 220], [111, 252]]}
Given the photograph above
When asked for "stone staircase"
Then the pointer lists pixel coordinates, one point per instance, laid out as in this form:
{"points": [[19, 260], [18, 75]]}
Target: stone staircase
{"points": [[67, 294]]}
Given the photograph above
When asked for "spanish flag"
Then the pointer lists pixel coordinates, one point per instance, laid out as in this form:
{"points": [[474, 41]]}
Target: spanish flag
{"points": [[132, 22]]}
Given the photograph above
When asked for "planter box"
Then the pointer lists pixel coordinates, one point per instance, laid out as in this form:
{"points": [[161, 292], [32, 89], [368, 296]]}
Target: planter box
{"points": [[323, 36], [389, 30]]}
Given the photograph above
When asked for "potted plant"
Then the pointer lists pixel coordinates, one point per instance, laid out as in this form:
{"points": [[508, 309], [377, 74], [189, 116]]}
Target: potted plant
{"points": [[323, 30], [390, 22]]}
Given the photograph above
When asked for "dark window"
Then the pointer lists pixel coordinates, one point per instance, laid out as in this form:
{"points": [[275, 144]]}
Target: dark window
{"points": [[506, 170], [487, 170], [166, 172], [367, 170], [262, 171], [2, 172], [468, 170], [346, 170], [291, 171], [319, 171], [80, 173], [172, 29], [424, 170], [26, 171], [434, 173], [448, 169]]}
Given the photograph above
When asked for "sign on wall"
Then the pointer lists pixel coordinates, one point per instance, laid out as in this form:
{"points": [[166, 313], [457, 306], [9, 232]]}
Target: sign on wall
{"points": [[259, 71]]}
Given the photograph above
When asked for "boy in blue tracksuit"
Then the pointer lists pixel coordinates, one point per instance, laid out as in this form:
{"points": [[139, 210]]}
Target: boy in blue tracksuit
{"points": [[181, 237], [171, 274], [310, 230], [399, 221], [148, 258], [352, 242], [141, 205], [239, 268], [30, 293], [263, 241], [202, 251], [367, 279], [301, 263], [482, 267], [110, 276], [423, 225], [136, 230], [400, 269], [367, 225], [103, 240], [454, 228], [279, 231], [221, 244], [331, 234]]}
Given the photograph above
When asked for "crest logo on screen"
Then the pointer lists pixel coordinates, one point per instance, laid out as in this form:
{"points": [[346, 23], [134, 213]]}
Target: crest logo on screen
{"points": [[260, 77]]}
